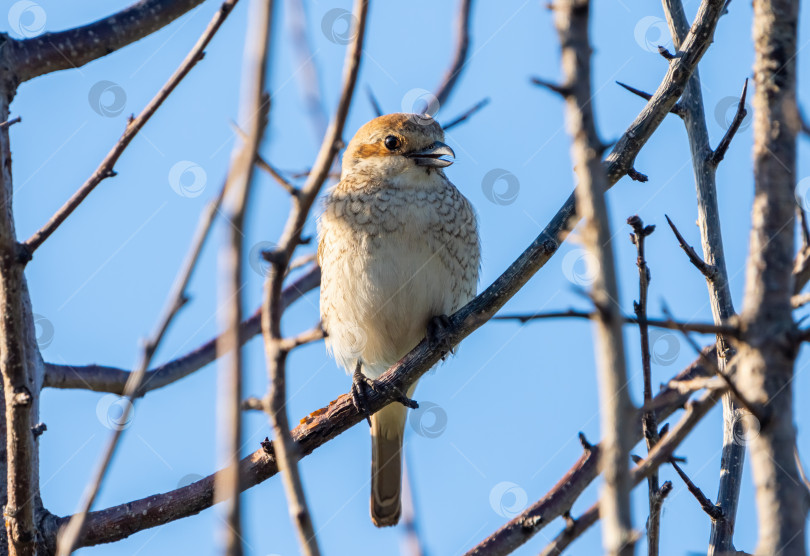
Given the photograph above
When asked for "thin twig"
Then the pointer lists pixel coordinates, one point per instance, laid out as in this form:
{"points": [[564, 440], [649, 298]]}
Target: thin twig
{"points": [[375, 106], [177, 299], [571, 19], [709, 271], [466, 115], [307, 72], [720, 152], [105, 169], [275, 347], [677, 109], [460, 56], [253, 115], [706, 505], [661, 454], [9, 123], [700, 328], [649, 424]]}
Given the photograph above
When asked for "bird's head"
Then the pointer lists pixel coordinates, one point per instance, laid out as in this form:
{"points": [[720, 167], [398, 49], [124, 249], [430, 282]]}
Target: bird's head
{"points": [[398, 147]]}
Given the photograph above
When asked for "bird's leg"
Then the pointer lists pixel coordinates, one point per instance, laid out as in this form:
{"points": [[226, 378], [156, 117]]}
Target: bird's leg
{"points": [[360, 386], [437, 333]]}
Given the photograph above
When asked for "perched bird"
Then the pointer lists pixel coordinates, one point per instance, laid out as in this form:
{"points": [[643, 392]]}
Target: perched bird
{"points": [[399, 251]]}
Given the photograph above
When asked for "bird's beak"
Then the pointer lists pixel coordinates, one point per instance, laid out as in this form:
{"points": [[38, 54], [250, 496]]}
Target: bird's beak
{"points": [[431, 156]]}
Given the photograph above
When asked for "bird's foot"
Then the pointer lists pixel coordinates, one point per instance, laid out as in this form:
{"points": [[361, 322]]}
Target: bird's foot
{"points": [[437, 334], [361, 384]]}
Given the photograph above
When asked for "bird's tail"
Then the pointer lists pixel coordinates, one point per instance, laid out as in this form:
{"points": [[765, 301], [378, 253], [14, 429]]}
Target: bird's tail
{"points": [[387, 430]]}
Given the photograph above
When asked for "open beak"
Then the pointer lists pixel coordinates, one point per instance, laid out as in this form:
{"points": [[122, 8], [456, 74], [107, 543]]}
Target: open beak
{"points": [[431, 156]]}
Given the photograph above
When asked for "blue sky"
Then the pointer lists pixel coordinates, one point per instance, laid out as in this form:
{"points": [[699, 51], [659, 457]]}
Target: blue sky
{"points": [[509, 405]]}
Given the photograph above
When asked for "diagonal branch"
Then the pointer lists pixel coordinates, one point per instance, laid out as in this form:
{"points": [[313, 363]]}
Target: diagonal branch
{"points": [[460, 56], [321, 426], [106, 168], [74, 48]]}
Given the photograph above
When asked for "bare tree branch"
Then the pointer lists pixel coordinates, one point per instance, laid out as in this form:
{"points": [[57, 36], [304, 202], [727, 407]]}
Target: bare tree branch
{"points": [[661, 454], [704, 164], [700, 328], [135, 380], [17, 351], [253, 115], [571, 19], [74, 48], [307, 72], [460, 57], [561, 497], [705, 269], [706, 505], [105, 169], [466, 115], [285, 450], [649, 424], [767, 354], [321, 426], [119, 522], [101, 378]]}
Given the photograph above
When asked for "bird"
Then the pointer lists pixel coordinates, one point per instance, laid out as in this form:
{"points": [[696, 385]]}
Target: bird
{"points": [[399, 250]]}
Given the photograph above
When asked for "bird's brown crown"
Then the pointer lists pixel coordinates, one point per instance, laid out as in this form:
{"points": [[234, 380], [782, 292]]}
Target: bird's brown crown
{"points": [[390, 137]]}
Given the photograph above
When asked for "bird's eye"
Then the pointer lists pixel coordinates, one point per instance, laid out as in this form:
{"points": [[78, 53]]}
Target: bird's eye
{"points": [[392, 142]]}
